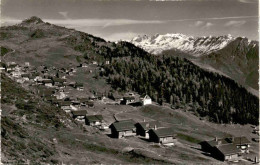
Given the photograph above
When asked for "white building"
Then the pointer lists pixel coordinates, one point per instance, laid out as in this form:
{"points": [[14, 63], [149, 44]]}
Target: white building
{"points": [[146, 100]]}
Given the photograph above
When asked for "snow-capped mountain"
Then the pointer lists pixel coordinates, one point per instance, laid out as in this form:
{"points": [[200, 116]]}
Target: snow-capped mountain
{"points": [[235, 57], [196, 46]]}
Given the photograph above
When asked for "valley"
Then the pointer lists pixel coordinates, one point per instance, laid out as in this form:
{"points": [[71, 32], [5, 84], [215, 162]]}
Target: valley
{"points": [[50, 72]]}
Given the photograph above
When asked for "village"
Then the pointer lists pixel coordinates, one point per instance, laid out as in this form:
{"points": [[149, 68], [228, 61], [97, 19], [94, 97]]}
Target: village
{"points": [[60, 87]]}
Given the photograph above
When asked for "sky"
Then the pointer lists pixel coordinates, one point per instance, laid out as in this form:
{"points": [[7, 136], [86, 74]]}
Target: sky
{"points": [[123, 20]]}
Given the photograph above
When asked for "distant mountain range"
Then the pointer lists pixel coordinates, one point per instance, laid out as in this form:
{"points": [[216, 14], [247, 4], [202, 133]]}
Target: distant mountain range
{"points": [[234, 57]]}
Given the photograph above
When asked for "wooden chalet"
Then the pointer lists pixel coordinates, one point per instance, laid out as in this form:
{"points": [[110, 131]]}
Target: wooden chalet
{"points": [[75, 103], [142, 128], [47, 82], [164, 136], [79, 115], [90, 104], [83, 101], [94, 120], [65, 104], [83, 65], [11, 67], [79, 86], [227, 152], [241, 143], [46, 92], [116, 97], [72, 84], [128, 100], [25, 75], [120, 129], [207, 146], [58, 81], [92, 97]]}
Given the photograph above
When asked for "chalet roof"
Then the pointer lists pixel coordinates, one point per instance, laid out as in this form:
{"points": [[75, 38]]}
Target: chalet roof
{"points": [[79, 113], [72, 83], [75, 102], [12, 65], [90, 103], [36, 74], [116, 96], [57, 101], [213, 142], [239, 140], [94, 118], [47, 81], [79, 84], [83, 100], [65, 103], [129, 98], [164, 132], [149, 125], [228, 140], [25, 75], [99, 94], [92, 96], [228, 149], [147, 97], [124, 125], [61, 85]]}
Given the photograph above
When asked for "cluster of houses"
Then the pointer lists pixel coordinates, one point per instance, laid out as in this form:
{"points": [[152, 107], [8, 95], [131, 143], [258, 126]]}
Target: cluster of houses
{"points": [[50, 77], [130, 99], [56, 78], [153, 131], [228, 148]]}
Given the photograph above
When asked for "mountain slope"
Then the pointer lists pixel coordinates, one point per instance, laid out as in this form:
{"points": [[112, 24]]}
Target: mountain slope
{"points": [[54, 45], [35, 131], [236, 58], [239, 60]]}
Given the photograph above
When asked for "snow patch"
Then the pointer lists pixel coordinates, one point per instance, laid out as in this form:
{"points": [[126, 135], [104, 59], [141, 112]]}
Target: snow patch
{"points": [[197, 46]]}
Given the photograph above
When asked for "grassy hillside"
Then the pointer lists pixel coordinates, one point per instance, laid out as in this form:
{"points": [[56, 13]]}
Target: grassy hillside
{"points": [[35, 131], [181, 83]]}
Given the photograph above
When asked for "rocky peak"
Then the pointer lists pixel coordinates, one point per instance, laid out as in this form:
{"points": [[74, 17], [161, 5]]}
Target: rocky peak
{"points": [[32, 20]]}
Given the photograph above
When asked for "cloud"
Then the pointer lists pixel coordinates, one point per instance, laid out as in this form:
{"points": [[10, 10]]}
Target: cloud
{"points": [[248, 1], [212, 18], [6, 21], [235, 23], [207, 25], [64, 14], [198, 23], [101, 22], [202, 24], [126, 36], [119, 22]]}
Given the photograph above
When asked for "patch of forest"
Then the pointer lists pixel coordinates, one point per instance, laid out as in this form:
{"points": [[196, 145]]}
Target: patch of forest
{"points": [[179, 82]]}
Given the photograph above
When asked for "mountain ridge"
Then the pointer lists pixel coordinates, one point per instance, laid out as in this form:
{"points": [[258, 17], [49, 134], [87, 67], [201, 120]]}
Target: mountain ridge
{"points": [[235, 57], [197, 46]]}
